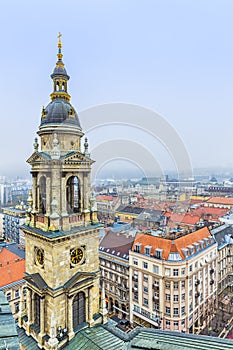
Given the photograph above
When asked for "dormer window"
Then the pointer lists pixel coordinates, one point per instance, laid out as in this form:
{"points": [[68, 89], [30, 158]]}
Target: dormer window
{"points": [[158, 253], [185, 252], [137, 248], [147, 250]]}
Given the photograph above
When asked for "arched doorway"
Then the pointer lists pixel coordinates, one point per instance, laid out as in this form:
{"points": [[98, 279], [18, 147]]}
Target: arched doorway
{"points": [[37, 309], [73, 195], [79, 310]]}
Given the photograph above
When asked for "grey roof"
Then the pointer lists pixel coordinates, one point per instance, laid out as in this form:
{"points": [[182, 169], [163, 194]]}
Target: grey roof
{"points": [[108, 337], [27, 341], [57, 112], [223, 234], [58, 234], [8, 333], [117, 244]]}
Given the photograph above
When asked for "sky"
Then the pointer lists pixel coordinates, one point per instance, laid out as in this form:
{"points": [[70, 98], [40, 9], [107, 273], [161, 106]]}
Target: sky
{"points": [[172, 57]]}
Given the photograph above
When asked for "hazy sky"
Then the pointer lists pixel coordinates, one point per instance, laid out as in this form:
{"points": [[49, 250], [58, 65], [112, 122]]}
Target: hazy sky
{"points": [[172, 56]]}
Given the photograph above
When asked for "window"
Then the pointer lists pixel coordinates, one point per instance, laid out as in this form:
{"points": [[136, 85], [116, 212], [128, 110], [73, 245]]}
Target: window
{"points": [[135, 262], [145, 289], [175, 272], [147, 250], [183, 296], [8, 296], [176, 285], [16, 307], [182, 284], [136, 308], [145, 278], [137, 248], [16, 293], [168, 323], [167, 272], [190, 268], [168, 310], [145, 265], [158, 253], [190, 292], [167, 285], [175, 311], [156, 269], [156, 283], [176, 298], [176, 324], [145, 301], [182, 272], [156, 307], [135, 297], [168, 297], [182, 310]]}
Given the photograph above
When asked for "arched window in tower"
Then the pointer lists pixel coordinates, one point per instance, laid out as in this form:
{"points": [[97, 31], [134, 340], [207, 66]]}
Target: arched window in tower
{"points": [[57, 88], [42, 195], [79, 310], [73, 195], [37, 309], [63, 86]]}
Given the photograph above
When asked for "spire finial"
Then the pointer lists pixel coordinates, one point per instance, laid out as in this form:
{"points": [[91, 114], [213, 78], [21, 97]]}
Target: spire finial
{"points": [[59, 44]]}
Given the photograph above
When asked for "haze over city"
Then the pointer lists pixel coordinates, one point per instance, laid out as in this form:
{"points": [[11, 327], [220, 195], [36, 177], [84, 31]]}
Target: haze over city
{"points": [[172, 57]]}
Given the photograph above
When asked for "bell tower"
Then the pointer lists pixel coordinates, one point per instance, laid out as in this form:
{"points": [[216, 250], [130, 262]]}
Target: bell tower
{"points": [[61, 231]]}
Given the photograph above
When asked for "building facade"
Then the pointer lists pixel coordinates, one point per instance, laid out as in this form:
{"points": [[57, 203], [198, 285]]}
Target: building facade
{"points": [[114, 265], [173, 281], [13, 219]]}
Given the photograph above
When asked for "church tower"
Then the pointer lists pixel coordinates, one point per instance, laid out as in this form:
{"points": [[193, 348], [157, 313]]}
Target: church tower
{"points": [[61, 231]]}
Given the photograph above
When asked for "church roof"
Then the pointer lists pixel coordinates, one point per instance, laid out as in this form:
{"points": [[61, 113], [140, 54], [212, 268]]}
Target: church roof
{"points": [[108, 337], [8, 333]]}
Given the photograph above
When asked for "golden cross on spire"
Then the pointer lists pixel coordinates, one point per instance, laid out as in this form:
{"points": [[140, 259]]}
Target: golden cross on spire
{"points": [[59, 36]]}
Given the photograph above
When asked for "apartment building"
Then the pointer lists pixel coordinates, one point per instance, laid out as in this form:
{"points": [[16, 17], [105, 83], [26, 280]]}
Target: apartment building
{"points": [[13, 218], [224, 237], [114, 265], [173, 281]]}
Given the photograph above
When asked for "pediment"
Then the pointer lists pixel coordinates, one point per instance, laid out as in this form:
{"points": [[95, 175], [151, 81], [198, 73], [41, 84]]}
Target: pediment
{"points": [[79, 278], [76, 157], [36, 280], [38, 157]]}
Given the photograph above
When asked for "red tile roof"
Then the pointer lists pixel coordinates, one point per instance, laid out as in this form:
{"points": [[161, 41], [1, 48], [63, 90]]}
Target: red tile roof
{"points": [[220, 200], [169, 245], [106, 198], [187, 219], [12, 267]]}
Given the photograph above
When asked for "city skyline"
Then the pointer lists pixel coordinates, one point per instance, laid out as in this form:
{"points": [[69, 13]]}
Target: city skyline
{"points": [[172, 57]]}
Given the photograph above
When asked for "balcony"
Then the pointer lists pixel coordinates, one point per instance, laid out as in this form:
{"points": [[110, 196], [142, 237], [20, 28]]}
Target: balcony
{"points": [[197, 282], [134, 278], [211, 271], [155, 298]]}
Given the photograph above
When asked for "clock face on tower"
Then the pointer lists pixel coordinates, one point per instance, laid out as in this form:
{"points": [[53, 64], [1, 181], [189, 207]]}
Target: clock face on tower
{"points": [[76, 256], [39, 256]]}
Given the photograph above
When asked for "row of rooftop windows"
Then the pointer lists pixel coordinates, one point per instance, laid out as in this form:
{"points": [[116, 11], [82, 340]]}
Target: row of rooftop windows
{"points": [[188, 251]]}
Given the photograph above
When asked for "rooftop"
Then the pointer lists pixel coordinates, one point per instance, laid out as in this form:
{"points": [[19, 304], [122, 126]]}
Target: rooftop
{"points": [[12, 267]]}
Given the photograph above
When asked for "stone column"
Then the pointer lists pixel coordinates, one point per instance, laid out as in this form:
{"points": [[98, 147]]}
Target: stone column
{"points": [[90, 311], [70, 319], [32, 307], [29, 311], [42, 315]]}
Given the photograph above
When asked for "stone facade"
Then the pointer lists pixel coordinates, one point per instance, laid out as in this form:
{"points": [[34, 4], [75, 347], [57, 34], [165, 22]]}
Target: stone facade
{"points": [[61, 229]]}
